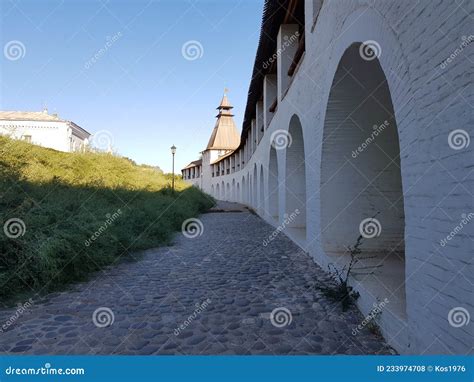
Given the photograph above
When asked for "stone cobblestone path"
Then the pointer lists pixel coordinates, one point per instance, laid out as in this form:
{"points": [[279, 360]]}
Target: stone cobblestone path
{"points": [[212, 294]]}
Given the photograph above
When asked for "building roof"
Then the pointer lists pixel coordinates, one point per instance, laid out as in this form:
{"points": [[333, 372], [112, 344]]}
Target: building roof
{"points": [[193, 164], [225, 103], [224, 135], [40, 116], [222, 157], [275, 12], [79, 129]]}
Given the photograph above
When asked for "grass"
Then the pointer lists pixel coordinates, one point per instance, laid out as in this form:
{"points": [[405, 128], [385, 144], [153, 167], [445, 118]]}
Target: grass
{"points": [[81, 212], [341, 291]]}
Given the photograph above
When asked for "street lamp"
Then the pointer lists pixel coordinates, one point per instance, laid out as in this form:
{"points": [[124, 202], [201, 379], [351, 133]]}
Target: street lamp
{"points": [[173, 151]]}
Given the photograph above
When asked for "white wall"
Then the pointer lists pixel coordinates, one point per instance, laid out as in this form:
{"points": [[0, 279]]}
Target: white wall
{"points": [[428, 102], [55, 135]]}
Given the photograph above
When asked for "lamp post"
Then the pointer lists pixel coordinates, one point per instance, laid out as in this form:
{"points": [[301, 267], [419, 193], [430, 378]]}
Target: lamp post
{"points": [[173, 151]]}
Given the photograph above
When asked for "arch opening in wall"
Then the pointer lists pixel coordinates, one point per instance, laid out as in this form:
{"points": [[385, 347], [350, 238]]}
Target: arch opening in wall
{"points": [[295, 178], [222, 190], [212, 190], [227, 194], [233, 191], [261, 200], [238, 197], [218, 194], [361, 184], [248, 191], [254, 191], [273, 189], [244, 188]]}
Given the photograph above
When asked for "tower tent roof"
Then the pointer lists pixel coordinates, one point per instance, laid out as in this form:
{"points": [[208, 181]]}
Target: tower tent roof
{"points": [[225, 104], [224, 135]]}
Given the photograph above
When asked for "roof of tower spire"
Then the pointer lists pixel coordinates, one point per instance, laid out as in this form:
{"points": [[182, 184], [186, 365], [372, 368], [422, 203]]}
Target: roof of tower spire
{"points": [[225, 104], [225, 135]]}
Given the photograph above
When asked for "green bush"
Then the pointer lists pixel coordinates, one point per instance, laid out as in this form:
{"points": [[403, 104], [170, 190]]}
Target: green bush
{"points": [[64, 199]]}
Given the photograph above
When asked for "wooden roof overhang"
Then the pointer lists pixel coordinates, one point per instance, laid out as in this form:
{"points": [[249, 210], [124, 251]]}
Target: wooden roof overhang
{"points": [[275, 13]]}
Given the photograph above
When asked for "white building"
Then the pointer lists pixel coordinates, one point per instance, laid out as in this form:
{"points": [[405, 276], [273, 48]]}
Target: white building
{"points": [[361, 112], [43, 129], [193, 173]]}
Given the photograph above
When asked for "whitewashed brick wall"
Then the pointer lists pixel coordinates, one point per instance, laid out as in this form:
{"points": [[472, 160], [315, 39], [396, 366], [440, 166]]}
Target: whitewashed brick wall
{"points": [[429, 102]]}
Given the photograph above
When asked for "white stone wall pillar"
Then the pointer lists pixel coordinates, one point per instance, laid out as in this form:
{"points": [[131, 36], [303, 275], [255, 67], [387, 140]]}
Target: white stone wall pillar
{"points": [[287, 45], [259, 120], [254, 135], [269, 95]]}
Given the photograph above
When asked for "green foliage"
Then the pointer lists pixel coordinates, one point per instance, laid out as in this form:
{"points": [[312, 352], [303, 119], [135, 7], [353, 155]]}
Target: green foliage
{"points": [[65, 199], [342, 292]]}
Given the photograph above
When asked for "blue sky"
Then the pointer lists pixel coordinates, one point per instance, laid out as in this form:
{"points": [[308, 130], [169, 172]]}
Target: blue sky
{"points": [[140, 87]]}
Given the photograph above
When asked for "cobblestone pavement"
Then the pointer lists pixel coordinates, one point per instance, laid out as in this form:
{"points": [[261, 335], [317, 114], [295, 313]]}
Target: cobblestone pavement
{"points": [[212, 294]]}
